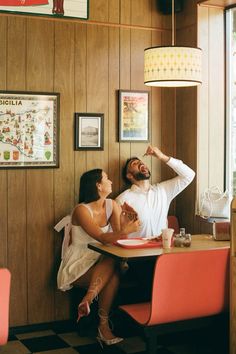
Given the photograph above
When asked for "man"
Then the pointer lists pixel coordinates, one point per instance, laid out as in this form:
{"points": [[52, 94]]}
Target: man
{"points": [[151, 202]]}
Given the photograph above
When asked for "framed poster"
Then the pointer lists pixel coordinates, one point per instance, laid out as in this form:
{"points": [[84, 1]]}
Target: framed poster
{"points": [[29, 129], [133, 116], [56, 8], [89, 131]]}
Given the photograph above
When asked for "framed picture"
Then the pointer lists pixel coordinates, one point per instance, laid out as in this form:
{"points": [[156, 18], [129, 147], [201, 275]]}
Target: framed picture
{"points": [[133, 116], [55, 8], [29, 129], [89, 131]]}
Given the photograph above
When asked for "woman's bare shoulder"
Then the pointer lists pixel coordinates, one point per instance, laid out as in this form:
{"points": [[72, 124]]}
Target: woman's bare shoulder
{"points": [[80, 211]]}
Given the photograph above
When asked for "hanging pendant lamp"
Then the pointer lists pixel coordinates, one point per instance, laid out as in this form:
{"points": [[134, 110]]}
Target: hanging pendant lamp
{"points": [[172, 66]]}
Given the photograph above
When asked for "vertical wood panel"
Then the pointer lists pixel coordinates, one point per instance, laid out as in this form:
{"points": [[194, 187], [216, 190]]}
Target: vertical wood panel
{"points": [[155, 118], [186, 127], [40, 214], [97, 88], [80, 95], [113, 145], [186, 150], [64, 176], [125, 11], [98, 10], [139, 41], [168, 120], [141, 12], [186, 119], [17, 243], [157, 17], [168, 128], [114, 11], [187, 17], [3, 173], [125, 67]]}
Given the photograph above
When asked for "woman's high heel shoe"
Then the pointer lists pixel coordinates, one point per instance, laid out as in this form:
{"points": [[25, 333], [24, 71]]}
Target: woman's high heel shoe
{"points": [[102, 340], [83, 310]]}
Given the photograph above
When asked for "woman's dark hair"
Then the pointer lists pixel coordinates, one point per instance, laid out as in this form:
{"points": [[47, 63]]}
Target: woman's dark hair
{"points": [[88, 190], [125, 169]]}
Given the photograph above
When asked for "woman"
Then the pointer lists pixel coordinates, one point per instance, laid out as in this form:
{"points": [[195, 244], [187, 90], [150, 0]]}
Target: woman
{"points": [[95, 218]]}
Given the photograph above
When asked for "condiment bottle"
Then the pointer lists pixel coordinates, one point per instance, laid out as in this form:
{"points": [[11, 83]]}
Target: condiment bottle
{"points": [[187, 240], [182, 232], [179, 238]]}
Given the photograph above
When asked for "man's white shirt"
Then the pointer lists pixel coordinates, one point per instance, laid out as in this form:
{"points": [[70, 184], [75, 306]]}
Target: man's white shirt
{"points": [[152, 206]]}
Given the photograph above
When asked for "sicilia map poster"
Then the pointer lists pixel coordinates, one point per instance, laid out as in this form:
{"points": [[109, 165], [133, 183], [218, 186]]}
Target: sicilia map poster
{"points": [[29, 129], [56, 8]]}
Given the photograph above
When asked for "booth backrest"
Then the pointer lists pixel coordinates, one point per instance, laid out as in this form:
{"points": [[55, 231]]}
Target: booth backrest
{"points": [[173, 223], [190, 285], [5, 279], [186, 285]]}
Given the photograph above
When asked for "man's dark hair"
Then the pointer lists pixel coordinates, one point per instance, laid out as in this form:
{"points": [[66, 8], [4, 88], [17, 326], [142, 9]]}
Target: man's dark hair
{"points": [[88, 191], [125, 169]]}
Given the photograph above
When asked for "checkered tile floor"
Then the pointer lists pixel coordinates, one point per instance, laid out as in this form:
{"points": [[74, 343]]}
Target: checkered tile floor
{"points": [[68, 341]]}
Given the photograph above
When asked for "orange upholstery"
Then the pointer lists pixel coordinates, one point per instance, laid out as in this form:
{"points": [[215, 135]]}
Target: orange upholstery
{"points": [[173, 223], [186, 285], [5, 278]]}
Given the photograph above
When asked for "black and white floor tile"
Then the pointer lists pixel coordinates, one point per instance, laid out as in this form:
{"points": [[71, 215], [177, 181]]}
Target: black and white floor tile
{"points": [[71, 340]]}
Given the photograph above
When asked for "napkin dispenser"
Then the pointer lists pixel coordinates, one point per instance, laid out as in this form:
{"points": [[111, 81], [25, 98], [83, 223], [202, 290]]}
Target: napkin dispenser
{"points": [[221, 231]]}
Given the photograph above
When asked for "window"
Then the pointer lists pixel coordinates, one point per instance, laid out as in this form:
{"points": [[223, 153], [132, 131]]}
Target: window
{"points": [[211, 101], [231, 100]]}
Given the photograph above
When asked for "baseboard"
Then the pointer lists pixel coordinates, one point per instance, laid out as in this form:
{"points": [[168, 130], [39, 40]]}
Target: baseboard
{"points": [[58, 326]]}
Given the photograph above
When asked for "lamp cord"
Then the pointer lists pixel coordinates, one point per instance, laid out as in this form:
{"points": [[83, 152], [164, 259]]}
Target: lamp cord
{"points": [[173, 22]]}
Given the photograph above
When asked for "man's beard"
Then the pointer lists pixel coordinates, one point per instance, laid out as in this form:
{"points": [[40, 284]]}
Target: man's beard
{"points": [[139, 176]]}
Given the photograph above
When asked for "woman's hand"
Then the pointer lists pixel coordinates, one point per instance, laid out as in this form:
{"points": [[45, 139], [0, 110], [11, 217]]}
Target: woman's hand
{"points": [[131, 226]]}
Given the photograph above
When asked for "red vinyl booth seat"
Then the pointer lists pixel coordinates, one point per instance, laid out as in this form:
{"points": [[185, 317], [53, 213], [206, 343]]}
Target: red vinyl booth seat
{"points": [[186, 286], [5, 279]]}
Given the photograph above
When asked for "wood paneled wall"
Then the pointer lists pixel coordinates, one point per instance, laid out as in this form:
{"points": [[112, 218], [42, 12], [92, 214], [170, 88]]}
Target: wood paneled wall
{"points": [[86, 62], [186, 118]]}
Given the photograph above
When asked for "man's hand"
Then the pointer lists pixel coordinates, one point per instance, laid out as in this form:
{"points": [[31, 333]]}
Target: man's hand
{"points": [[154, 151], [129, 212], [129, 221]]}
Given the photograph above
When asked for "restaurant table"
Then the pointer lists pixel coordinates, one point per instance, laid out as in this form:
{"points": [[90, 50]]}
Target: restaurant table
{"points": [[199, 243]]}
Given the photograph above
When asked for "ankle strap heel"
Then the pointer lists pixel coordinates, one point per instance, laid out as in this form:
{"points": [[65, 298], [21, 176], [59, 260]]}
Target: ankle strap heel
{"points": [[102, 340]]}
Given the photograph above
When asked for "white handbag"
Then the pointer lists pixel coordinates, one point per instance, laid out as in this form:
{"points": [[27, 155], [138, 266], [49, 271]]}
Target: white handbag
{"points": [[215, 203]]}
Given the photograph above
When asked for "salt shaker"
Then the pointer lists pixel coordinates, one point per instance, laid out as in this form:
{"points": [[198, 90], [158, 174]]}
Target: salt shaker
{"points": [[177, 240], [187, 240], [180, 238]]}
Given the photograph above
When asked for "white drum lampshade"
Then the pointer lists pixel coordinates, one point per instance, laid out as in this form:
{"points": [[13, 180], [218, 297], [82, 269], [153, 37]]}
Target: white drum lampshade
{"points": [[172, 66]]}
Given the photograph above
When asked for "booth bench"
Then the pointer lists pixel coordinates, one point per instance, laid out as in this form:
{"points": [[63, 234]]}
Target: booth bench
{"points": [[186, 286], [5, 279]]}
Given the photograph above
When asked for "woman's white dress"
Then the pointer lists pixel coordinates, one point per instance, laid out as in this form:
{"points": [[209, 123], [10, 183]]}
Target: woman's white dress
{"points": [[78, 258]]}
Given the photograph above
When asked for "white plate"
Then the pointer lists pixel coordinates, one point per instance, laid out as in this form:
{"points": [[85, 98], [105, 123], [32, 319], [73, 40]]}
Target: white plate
{"points": [[131, 242]]}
